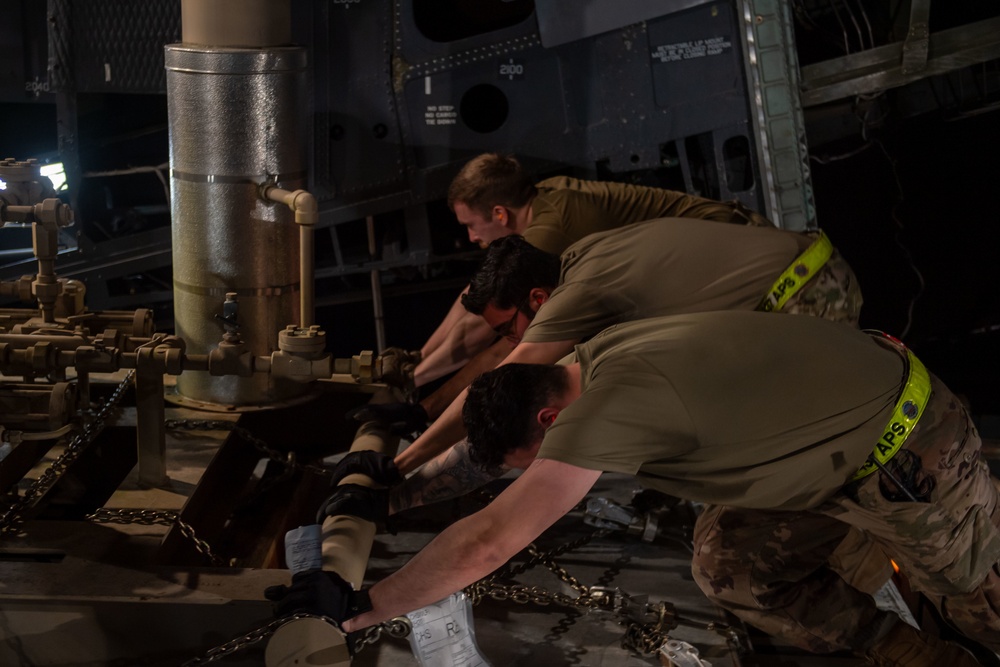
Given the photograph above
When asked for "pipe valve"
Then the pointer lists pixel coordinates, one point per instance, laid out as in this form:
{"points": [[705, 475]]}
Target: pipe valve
{"points": [[230, 315]]}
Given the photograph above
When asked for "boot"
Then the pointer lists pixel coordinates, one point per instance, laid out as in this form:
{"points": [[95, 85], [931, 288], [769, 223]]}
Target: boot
{"points": [[905, 646]]}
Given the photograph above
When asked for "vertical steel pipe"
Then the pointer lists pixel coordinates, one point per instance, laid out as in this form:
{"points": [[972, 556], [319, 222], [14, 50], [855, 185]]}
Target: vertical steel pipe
{"points": [[303, 204], [307, 257], [236, 118]]}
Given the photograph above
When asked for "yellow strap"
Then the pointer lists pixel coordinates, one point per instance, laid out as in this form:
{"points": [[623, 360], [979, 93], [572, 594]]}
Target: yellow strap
{"points": [[798, 274], [909, 408]]}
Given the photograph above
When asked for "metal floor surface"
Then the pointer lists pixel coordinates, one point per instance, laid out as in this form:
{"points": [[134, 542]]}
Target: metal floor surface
{"points": [[526, 634], [100, 605]]}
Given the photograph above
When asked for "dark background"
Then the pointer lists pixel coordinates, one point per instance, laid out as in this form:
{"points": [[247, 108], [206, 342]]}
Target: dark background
{"points": [[905, 188]]}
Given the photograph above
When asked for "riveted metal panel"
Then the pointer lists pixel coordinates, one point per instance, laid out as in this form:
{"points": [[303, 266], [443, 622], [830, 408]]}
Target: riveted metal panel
{"points": [[113, 46], [358, 146]]}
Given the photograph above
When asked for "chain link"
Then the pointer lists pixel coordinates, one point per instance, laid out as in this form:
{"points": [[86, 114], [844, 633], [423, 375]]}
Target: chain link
{"points": [[521, 594], [643, 638], [286, 459], [562, 573], [11, 518], [149, 517], [492, 588], [250, 638], [400, 627], [397, 627], [538, 558]]}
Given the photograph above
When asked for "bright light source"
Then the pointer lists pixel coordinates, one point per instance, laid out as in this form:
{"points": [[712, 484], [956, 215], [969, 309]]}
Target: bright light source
{"points": [[56, 174], [3, 186]]}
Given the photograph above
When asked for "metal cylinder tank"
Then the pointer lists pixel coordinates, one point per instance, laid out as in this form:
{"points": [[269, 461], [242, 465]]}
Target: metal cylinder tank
{"points": [[236, 118]]}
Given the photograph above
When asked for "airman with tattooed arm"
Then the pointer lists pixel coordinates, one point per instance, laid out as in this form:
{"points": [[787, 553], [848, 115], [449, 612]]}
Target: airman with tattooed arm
{"points": [[852, 432], [449, 475]]}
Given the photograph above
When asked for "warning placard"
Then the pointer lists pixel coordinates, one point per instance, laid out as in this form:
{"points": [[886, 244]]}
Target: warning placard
{"points": [[441, 114], [699, 48]]}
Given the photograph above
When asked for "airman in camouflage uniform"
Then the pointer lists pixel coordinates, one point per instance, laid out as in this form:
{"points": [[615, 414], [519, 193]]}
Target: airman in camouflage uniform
{"points": [[769, 568], [833, 293]]}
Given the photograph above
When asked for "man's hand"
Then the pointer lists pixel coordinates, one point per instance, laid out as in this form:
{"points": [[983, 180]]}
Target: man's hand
{"points": [[396, 366], [360, 501], [402, 419], [376, 465], [319, 592]]}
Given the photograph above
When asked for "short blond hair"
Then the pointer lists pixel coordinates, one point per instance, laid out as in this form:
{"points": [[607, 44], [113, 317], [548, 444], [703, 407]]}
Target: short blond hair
{"points": [[489, 180]]}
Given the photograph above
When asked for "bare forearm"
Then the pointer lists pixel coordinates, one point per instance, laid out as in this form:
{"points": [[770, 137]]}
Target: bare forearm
{"points": [[455, 313], [467, 338], [486, 360], [439, 436], [450, 475], [448, 428], [456, 558], [478, 544]]}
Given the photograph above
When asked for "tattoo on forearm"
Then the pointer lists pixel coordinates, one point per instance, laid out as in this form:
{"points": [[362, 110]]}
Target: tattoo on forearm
{"points": [[450, 475]]}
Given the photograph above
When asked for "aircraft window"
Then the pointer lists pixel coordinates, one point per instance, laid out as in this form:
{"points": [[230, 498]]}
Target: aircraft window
{"points": [[451, 20]]}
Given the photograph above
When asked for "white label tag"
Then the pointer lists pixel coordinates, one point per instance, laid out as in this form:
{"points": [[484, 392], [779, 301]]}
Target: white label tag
{"points": [[303, 548], [443, 634], [888, 598]]}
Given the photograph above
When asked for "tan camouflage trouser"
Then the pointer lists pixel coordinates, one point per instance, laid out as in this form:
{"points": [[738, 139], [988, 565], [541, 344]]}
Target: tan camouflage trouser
{"points": [[833, 293], [770, 568]]}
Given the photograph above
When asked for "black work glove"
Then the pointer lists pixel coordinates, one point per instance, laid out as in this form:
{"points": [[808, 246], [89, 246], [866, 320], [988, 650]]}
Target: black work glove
{"points": [[402, 419], [395, 366], [360, 501], [319, 592], [378, 466]]}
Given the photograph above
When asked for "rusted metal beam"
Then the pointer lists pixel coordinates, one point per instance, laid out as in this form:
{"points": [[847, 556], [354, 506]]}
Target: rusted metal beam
{"points": [[883, 67]]}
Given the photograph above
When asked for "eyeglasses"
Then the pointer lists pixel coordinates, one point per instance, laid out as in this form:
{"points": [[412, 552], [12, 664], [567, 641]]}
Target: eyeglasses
{"points": [[506, 330]]}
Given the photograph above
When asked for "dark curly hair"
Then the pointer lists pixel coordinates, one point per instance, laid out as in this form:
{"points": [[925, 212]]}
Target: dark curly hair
{"points": [[489, 180], [501, 409], [512, 268]]}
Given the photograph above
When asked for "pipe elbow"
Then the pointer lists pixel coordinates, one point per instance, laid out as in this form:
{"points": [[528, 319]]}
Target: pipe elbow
{"points": [[301, 202], [305, 207]]}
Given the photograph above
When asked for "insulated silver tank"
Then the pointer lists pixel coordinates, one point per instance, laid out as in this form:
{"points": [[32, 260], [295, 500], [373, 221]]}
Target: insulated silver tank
{"points": [[237, 119]]}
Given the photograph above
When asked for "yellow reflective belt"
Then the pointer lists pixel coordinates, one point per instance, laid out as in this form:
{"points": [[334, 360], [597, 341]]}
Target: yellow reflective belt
{"points": [[909, 408], [798, 274]]}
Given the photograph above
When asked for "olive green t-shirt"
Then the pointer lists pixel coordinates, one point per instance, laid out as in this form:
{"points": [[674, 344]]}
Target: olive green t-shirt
{"points": [[736, 408], [662, 267], [569, 209]]}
